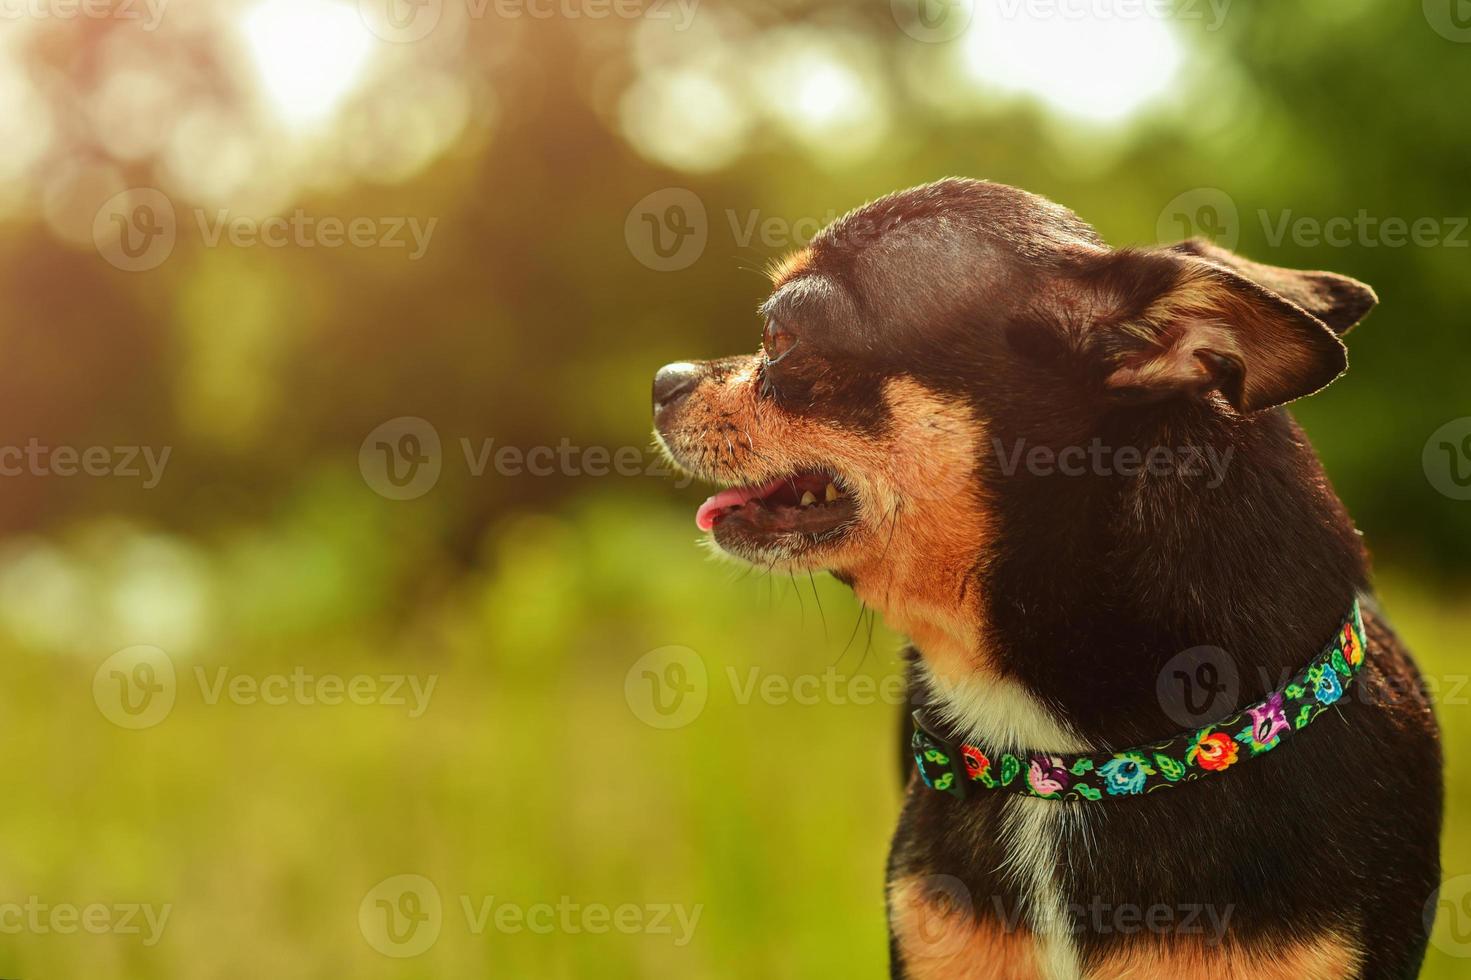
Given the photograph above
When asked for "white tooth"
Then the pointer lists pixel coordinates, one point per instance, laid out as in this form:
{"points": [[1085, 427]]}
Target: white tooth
{"points": [[832, 493], [808, 499]]}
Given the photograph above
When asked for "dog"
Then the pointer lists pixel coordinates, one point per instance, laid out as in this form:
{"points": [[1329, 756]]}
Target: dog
{"points": [[1058, 468]]}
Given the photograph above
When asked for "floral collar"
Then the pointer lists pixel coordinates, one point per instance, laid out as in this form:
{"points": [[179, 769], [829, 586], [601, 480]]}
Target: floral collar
{"points": [[958, 769]]}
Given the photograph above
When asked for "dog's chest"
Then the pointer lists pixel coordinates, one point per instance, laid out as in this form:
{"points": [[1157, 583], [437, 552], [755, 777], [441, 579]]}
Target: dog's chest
{"points": [[1011, 889], [986, 899], [1033, 835]]}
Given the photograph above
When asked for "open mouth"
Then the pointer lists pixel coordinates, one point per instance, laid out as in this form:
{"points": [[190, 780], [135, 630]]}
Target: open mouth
{"points": [[812, 504]]}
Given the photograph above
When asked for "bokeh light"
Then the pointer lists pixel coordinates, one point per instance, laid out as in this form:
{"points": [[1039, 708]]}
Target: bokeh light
{"points": [[309, 54], [1095, 69]]}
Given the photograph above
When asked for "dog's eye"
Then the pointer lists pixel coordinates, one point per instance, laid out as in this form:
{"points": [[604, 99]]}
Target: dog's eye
{"points": [[777, 341]]}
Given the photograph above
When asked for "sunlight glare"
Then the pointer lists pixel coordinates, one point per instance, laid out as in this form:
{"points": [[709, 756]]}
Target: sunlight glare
{"points": [[1092, 67], [309, 55], [826, 92], [820, 91]]}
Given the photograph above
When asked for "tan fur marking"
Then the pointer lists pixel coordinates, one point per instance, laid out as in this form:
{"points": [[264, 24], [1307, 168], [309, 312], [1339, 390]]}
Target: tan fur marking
{"points": [[1328, 957], [922, 523], [1203, 313], [941, 942], [788, 266], [921, 577]]}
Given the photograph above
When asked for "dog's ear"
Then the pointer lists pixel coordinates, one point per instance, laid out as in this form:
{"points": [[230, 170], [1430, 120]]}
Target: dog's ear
{"points": [[1337, 300], [1170, 325]]}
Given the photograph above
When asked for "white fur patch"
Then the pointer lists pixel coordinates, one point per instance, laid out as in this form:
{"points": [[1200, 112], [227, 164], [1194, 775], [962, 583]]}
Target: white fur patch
{"points": [[1031, 831], [1000, 715]]}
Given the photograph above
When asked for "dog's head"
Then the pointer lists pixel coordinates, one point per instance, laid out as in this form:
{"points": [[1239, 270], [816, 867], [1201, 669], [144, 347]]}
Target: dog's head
{"points": [[922, 339]]}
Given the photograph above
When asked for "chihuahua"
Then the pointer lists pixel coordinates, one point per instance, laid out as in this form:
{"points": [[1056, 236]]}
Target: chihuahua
{"points": [[1063, 471]]}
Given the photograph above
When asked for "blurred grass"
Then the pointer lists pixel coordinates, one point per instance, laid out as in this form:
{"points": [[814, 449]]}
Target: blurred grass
{"points": [[529, 778]]}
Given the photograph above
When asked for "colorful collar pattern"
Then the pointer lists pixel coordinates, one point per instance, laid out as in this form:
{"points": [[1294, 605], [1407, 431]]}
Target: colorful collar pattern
{"points": [[960, 769]]}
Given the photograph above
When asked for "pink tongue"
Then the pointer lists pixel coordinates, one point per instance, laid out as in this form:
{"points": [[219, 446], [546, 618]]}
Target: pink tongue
{"points": [[726, 499]]}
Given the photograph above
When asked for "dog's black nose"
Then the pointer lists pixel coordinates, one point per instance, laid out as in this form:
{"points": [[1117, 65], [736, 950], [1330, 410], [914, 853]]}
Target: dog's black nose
{"points": [[673, 382]]}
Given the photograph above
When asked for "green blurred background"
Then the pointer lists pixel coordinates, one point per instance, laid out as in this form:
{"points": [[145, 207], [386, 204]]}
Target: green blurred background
{"points": [[597, 187]]}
